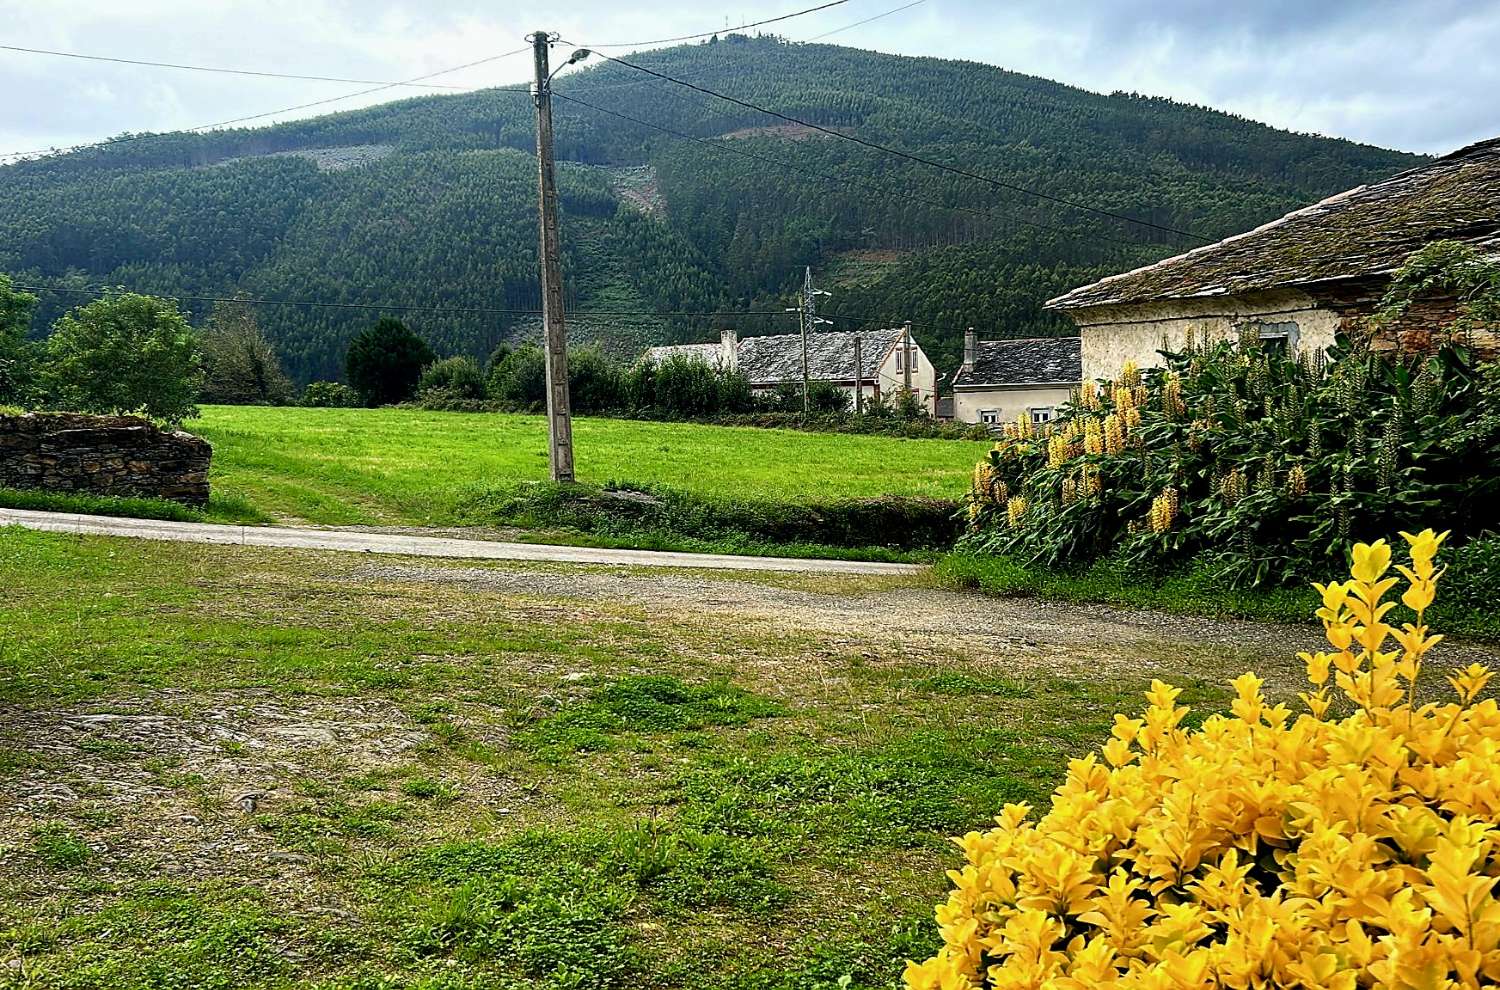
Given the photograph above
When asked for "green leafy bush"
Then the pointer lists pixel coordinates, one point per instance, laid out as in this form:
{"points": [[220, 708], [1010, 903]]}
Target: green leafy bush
{"points": [[596, 384], [1263, 464], [455, 377], [686, 388], [518, 378], [329, 395]]}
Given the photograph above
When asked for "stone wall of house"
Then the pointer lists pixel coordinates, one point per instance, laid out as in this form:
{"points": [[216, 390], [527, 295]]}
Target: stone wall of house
{"points": [[102, 455], [1112, 335], [1425, 326]]}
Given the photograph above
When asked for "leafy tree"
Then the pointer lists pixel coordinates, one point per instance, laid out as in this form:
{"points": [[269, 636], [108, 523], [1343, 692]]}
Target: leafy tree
{"points": [[329, 395], [240, 367], [456, 377], [16, 308], [124, 353], [385, 362]]}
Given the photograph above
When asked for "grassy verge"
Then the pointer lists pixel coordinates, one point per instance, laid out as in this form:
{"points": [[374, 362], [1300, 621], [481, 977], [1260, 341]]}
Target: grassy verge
{"points": [[1465, 604], [275, 769], [220, 508], [659, 517]]}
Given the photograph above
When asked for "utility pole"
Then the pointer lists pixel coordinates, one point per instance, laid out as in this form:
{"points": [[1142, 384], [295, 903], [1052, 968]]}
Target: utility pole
{"points": [[859, 374], [549, 260], [808, 319], [906, 356]]}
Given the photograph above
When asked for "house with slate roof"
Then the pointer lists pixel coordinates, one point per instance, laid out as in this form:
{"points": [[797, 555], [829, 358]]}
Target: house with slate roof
{"points": [[1300, 280], [874, 361], [1002, 380]]}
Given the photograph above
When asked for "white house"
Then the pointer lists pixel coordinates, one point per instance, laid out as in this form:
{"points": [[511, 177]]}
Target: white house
{"points": [[1001, 380], [1301, 280], [874, 361]]}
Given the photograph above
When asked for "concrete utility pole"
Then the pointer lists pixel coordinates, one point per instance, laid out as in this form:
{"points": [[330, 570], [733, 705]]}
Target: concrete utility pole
{"points": [[859, 374], [906, 355], [549, 260]]}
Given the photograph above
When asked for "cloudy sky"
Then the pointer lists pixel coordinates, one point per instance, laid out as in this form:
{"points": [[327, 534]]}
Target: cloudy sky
{"points": [[1420, 75]]}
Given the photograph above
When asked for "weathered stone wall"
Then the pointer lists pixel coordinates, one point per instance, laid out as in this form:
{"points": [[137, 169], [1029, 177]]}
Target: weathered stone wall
{"points": [[102, 455], [1113, 335]]}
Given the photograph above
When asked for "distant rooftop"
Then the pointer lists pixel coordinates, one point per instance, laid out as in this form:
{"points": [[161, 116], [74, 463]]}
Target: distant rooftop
{"points": [[777, 359], [830, 356], [1033, 361], [1362, 233]]}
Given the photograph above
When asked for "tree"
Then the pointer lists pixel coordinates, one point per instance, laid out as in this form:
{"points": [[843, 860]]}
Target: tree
{"points": [[385, 362], [15, 354], [240, 367], [124, 353]]}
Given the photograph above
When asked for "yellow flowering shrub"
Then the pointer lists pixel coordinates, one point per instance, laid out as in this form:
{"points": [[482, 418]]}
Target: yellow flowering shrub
{"points": [[1355, 845]]}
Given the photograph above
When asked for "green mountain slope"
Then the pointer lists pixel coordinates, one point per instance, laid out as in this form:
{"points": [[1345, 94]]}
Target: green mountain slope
{"points": [[430, 202]]}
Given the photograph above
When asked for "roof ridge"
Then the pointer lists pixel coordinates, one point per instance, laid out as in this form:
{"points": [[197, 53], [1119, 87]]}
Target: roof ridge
{"points": [[1023, 340]]}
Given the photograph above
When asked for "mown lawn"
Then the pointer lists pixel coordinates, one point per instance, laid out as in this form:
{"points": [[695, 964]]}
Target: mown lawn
{"points": [[398, 466], [229, 767]]}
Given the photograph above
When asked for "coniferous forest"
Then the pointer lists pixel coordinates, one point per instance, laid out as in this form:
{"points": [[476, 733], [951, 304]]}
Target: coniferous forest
{"points": [[428, 204]]}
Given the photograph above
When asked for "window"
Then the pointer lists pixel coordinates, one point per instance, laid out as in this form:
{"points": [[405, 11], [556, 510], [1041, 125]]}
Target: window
{"points": [[901, 359], [989, 415], [1041, 414], [1280, 337]]}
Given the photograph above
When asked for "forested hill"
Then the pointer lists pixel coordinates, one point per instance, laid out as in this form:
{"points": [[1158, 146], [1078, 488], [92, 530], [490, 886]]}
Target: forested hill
{"points": [[430, 202]]}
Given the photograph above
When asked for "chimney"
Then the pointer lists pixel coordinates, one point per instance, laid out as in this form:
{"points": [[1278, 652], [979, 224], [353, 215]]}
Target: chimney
{"points": [[729, 344], [971, 348]]}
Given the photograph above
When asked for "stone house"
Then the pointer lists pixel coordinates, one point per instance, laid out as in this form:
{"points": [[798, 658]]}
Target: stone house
{"points": [[1298, 281], [874, 361], [1001, 380]]}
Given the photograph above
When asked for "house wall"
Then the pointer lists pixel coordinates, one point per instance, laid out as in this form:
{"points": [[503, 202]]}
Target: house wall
{"points": [[1112, 335], [969, 405], [923, 377]]}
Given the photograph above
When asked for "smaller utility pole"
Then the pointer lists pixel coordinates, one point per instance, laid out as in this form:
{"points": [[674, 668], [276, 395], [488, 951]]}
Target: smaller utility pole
{"points": [[859, 374], [906, 356], [807, 321], [549, 260]]}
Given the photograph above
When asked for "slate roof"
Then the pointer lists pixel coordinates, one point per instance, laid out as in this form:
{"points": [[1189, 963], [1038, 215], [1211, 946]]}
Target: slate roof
{"points": [[830, 356], [1361, 233], [1034, 361], [709, 353]]}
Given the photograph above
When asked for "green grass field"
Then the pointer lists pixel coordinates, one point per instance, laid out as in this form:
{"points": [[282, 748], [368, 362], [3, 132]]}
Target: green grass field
{"points": [[408, 467]]}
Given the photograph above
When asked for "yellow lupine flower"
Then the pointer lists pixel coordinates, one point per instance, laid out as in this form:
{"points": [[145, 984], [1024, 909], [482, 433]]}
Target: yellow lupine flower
{"points": [[1260, 850]]}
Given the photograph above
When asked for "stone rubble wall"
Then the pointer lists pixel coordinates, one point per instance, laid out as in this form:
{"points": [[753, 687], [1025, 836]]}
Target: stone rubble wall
{"points": [[102, 455]]}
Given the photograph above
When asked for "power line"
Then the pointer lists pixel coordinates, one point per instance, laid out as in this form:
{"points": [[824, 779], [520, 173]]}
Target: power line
{"points": [[867, 20], [124, 138], [727, 147], [380, 307], [710, 34], [219, 69], [955, 170]]}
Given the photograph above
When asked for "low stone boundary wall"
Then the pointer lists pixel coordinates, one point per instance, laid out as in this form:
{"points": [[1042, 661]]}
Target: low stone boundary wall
{"points": [[102, 455]]}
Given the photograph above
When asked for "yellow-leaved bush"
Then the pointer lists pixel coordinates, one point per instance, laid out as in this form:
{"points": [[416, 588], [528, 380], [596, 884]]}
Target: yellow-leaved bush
{"points": [[1354, 845]]}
